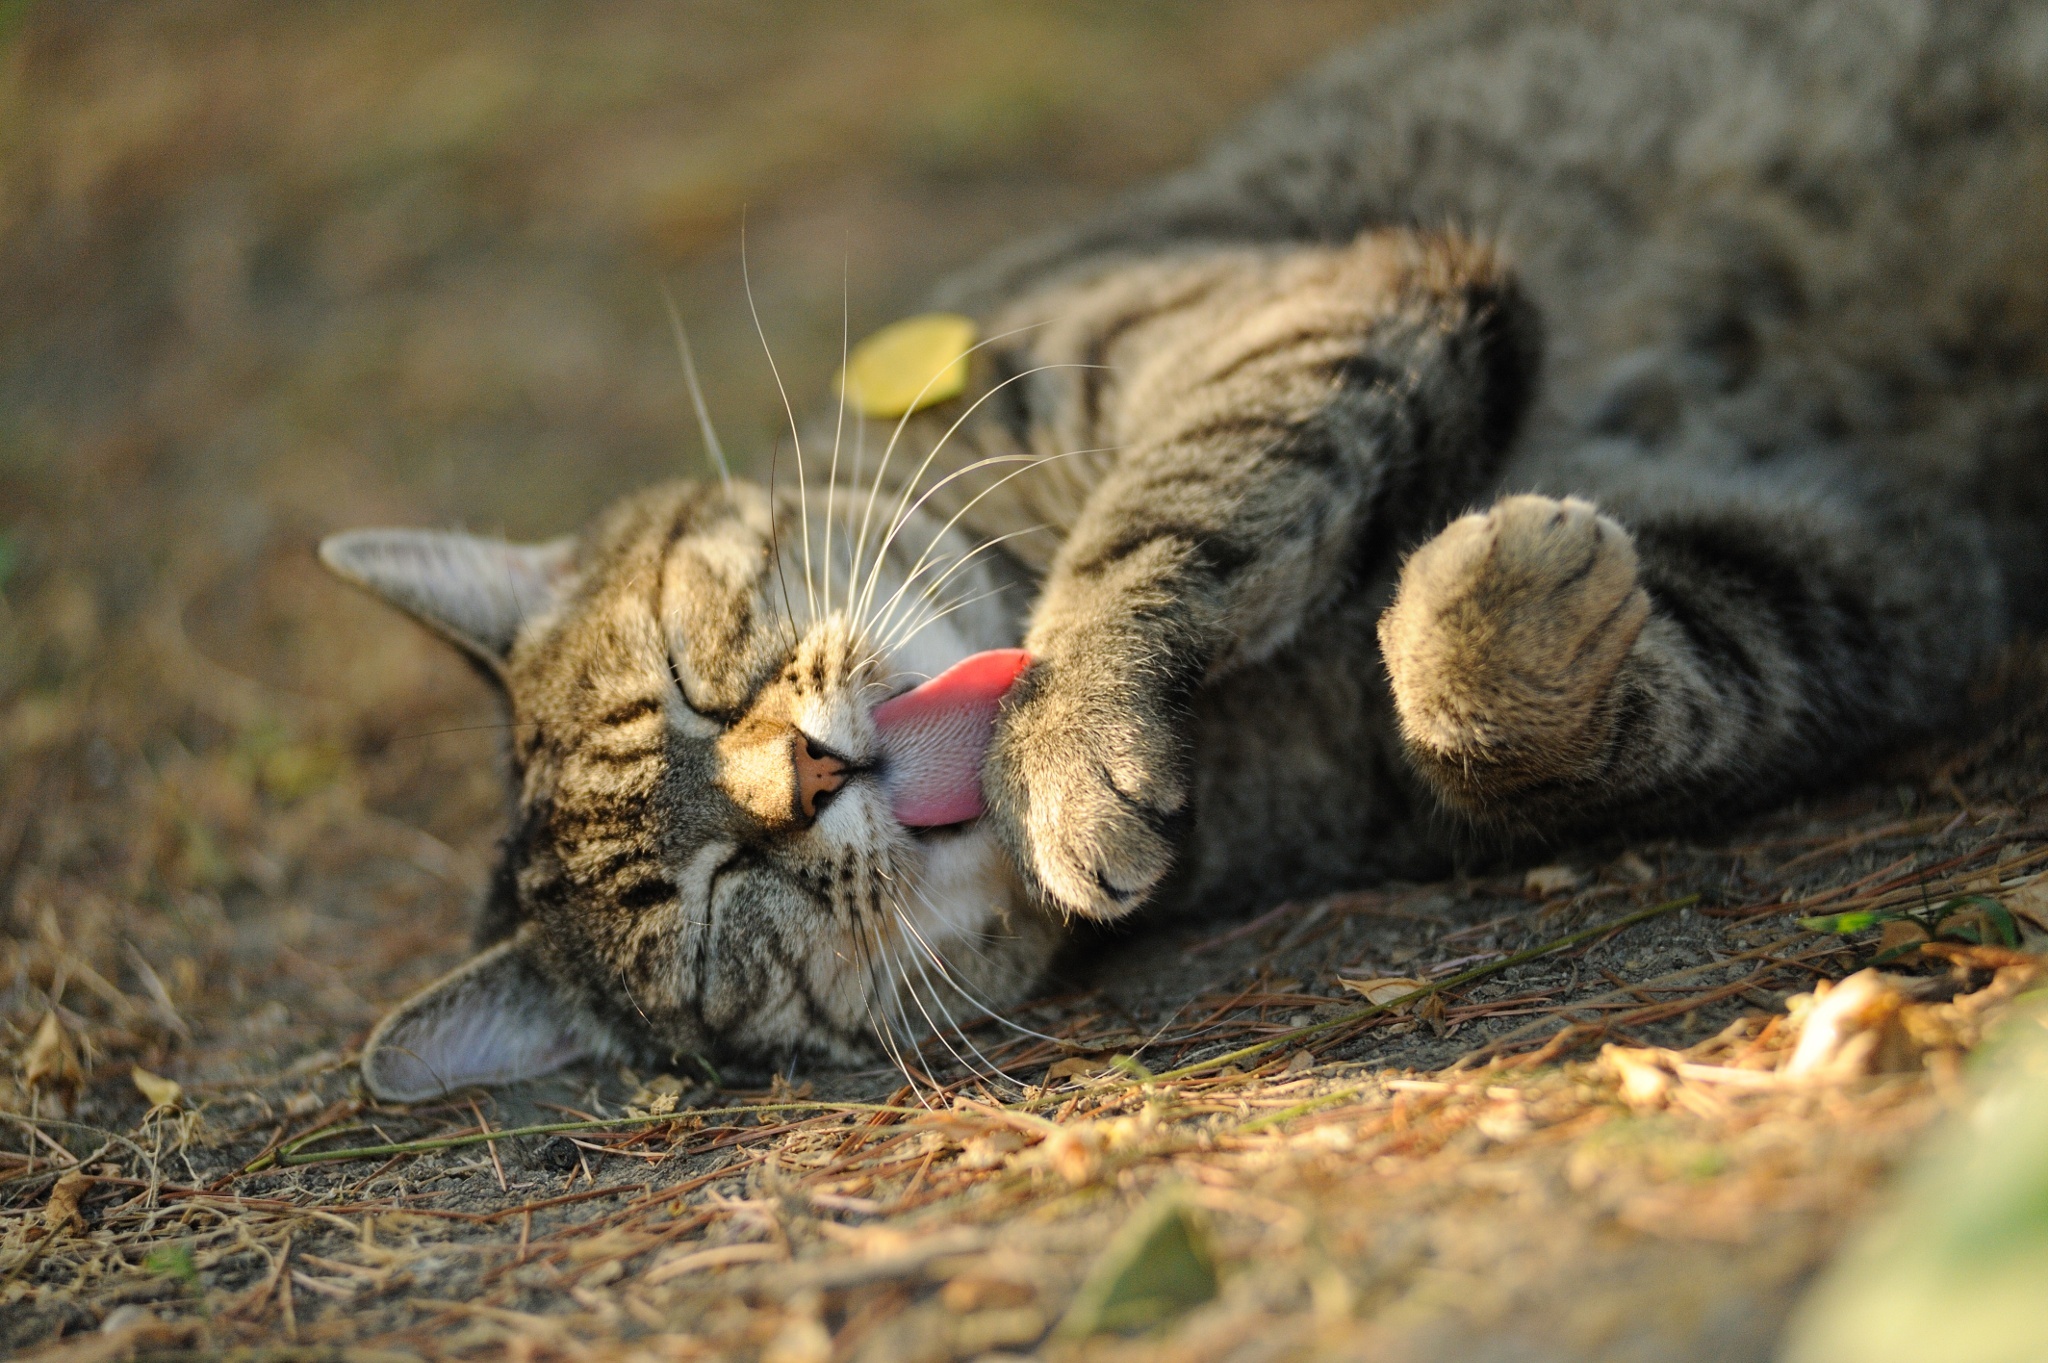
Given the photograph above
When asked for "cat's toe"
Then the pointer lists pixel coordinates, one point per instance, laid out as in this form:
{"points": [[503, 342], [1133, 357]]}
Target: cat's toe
{"points": [[1089, 796], [1504, 639]]}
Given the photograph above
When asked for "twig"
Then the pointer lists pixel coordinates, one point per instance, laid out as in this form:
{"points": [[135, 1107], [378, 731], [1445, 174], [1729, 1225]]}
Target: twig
{"points": [[1477, 972], [289, 1158], [490, 1145], [1288, 1114]]}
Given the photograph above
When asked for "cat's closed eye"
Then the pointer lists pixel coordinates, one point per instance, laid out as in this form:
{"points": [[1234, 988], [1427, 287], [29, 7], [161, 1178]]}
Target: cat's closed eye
{"points": [[723, 717]]}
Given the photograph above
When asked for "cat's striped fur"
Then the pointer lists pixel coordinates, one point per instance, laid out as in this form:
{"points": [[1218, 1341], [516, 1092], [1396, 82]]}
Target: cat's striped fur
{"points": [[1725, 319]]}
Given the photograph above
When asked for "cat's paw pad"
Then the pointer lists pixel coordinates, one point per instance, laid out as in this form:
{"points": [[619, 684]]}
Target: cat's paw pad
{"points": [[1505, 636], [1087, 787]]}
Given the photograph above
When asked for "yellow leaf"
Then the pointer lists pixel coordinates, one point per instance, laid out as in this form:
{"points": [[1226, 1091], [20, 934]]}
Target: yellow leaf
{"points": [[51, 1059], [1387, 989], [160, 1091], [909, 365]]}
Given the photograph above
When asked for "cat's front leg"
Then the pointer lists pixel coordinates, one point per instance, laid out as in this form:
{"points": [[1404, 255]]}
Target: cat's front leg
{"points": [[1281, 419], [1088, 776]]}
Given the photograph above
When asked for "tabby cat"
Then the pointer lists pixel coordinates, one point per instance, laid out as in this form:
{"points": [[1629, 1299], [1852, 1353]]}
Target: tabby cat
{"points": [[1549, 419]]}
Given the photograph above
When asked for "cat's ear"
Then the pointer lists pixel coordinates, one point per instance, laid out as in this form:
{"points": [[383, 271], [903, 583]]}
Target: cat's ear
{"points": [[474, 591], [489, 1021]]}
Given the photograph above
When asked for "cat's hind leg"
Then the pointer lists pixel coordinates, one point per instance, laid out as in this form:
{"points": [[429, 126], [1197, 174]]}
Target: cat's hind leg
{"points": [[1555, 670]]}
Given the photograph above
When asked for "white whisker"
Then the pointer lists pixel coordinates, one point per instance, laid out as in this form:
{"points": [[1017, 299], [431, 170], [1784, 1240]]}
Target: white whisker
{"points": [[885, 1032], [981, 1066], [926, 622], [712, 449], [860, 447], [866, 623], [1033, 462], [973, 502], [895, 639], [838, 433], [775, 547], [877, 650], [900, 981], [903, 507], [796, 437], [902, 424], [979, 1003]]}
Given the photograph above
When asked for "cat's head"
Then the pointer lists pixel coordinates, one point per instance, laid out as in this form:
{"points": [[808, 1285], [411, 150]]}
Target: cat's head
{"points": [[704, 857]]}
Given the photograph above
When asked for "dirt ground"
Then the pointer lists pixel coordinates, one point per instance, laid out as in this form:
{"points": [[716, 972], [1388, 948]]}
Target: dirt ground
{"points": [[271, 271]]}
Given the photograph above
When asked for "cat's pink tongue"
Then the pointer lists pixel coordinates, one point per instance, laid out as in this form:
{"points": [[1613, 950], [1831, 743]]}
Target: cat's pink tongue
{"points": [[934, 738]]}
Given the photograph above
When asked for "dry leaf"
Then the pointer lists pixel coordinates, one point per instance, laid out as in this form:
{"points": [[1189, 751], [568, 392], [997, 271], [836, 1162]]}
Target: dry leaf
{"points": [[1387, 989], [1646, 1075], [1630, 866], [981, 1291], [60, 1213], [1505, 1120], [1431, 1010], [990, 1150], [1851, 1029], [1987, 958], [2029, 901], [160, 1092], [1077, 1067], [1551, 880], [660, 1095], [611, 1244], [802, 1339], [1900, 932], [1071, 1151], [51, 1061], [719, 1256]]}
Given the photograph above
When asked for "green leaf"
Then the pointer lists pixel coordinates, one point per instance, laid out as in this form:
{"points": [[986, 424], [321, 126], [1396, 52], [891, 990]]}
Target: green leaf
{"points": [[1857, 921], [1129, 1064], [1998, 922], [173, 1261], [1158, 1266]]}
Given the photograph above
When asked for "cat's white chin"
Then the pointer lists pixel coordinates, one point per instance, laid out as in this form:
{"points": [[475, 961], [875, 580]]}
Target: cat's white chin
{"points": [[965, 884]]}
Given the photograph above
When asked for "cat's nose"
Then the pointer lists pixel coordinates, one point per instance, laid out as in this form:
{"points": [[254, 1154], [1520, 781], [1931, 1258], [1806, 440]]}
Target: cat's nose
{"points": [[771, 769], [818, 775]]}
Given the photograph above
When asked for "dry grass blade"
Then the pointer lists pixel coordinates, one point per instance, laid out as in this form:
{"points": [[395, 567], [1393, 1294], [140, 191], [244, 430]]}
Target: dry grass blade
{"points": [[1412, 998], [291, 1156]]}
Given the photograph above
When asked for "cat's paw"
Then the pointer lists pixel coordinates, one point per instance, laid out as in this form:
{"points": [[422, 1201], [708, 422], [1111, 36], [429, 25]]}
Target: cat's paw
{"points": [[1086, 783], [1503, 643]]}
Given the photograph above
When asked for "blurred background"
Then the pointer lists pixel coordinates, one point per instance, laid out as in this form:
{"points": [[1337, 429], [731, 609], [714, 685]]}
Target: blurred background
{"points": [[267, 271]]}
